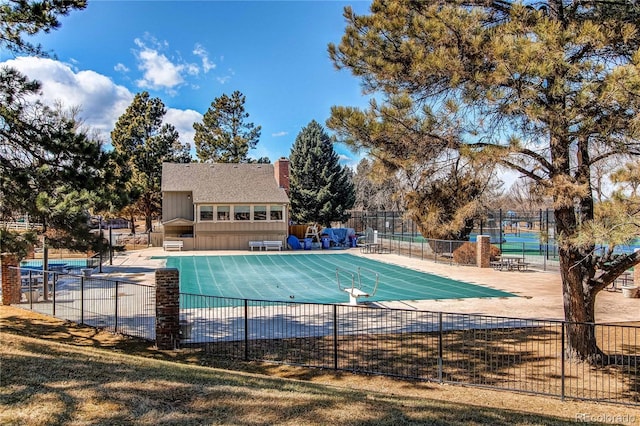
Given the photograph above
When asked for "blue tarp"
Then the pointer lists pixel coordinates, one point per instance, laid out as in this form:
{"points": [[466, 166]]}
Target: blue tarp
{"points": [[339, 236], [294, 242]]}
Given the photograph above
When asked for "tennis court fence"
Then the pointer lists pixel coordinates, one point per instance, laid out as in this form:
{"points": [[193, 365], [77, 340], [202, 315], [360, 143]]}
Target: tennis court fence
{"points": [[523, 355], [543, 257]]}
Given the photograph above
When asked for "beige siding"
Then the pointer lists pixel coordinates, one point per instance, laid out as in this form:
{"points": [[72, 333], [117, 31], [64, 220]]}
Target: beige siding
{"points": [[236, 235], [177, 204], [236, 241]]}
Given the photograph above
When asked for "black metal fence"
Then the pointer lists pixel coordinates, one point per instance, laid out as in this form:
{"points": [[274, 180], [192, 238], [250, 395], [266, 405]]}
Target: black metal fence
{"points": [[115, 305], [539, 256], [497, 223], [524, 355]]}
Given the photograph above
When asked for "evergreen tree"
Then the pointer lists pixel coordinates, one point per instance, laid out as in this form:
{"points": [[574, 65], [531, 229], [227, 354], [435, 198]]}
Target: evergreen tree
{"points": [[441, 189], [321, 190], [549, 88], [20, 17], [50, 168], [223, 136], [142, 143]]}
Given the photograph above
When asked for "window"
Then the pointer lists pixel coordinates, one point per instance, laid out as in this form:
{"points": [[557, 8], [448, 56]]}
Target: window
{"points": [[223, 213], [206, 213], [259, 212], [276, 213], [241, 213]]}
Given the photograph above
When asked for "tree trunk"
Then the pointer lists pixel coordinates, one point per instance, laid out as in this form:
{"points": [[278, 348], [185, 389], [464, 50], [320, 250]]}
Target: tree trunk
{"points": [[579, 309], [133, 224], [578, 294]]}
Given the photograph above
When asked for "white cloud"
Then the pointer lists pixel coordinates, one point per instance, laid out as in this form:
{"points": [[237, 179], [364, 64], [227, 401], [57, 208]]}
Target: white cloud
{"points": [[158, 71], [192, 69], [224, 79], [202, 53], [279, 134], [100, 100], [183, 121], [120, 67]]}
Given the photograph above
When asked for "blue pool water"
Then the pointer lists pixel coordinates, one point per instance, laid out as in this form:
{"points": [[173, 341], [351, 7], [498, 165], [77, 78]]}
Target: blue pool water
{"points": [[314, 278]]}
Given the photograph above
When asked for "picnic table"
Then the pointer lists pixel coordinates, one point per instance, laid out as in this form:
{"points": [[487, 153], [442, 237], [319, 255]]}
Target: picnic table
{"points": [[510, 263]]}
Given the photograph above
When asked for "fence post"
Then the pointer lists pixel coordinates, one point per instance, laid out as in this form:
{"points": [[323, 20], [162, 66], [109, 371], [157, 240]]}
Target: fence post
{"points": [[81, 299], [115, 327], [500, 233], [440, 350], [246, 330], [546, 255], [335, 337], [563, 358], [167, 308], [53, 296]]}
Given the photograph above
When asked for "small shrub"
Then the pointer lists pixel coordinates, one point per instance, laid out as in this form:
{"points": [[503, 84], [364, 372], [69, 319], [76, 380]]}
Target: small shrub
{"points": [[466, 254], [494, 253]]}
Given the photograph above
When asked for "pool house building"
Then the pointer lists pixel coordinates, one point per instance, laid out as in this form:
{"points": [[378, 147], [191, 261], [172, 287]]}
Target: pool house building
{"points": [[224, 206]]}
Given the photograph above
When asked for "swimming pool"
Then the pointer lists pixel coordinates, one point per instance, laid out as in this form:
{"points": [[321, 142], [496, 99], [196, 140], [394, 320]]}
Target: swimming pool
{"points": [[312, 278]]}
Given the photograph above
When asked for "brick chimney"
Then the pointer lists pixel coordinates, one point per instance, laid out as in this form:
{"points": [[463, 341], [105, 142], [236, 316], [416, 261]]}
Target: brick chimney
{"points": [[281, 170]]}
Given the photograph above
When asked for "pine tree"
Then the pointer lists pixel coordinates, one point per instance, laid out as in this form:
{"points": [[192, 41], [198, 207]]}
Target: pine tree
{"points": [[223, 136], [42, 151], [321, 189], [20, 17], [142, 143], [50, 168], [550, 89]]}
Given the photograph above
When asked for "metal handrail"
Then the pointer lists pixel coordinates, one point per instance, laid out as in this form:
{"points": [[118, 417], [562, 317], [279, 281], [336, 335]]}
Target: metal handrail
{"points": [[375, 287], [359, 281], [338, 270]]}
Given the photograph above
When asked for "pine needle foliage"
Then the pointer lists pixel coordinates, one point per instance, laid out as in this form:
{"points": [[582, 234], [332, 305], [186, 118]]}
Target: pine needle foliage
{"points": [[550, 89], [321, 189], [224, 136], [142, 142]]}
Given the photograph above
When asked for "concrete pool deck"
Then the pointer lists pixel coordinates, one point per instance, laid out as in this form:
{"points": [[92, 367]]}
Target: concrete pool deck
{"points": [[540, 294]]}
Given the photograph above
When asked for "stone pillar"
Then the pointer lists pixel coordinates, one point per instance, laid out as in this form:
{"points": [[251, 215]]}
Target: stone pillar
{"points": [[167, 308], [483, 251], [10, 279]]}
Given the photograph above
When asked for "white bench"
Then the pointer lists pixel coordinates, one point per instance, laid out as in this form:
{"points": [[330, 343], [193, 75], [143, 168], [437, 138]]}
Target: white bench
{"points": [[256, 244], [172, 245], [272, 245]]}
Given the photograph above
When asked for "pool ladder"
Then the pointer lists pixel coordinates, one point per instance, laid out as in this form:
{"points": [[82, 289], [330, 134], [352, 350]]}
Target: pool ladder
{"points": [[356, 290]]}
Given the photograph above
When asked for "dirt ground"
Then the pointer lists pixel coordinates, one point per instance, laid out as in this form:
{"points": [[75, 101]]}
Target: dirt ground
{"points": [[538, 296], [29, 324]]}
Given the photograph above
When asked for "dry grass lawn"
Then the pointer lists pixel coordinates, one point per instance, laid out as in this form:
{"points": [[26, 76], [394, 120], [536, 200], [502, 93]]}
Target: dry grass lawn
{"points": [[53, 372]]}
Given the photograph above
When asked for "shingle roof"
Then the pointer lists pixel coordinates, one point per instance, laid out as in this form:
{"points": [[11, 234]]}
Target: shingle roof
{"points": [[224, 182]]}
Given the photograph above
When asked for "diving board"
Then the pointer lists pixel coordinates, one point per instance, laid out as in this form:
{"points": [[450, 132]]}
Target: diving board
{"points": [[357, 289]]}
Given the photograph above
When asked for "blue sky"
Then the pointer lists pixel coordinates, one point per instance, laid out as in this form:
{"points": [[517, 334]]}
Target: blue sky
{"points": [[189, 52]]}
